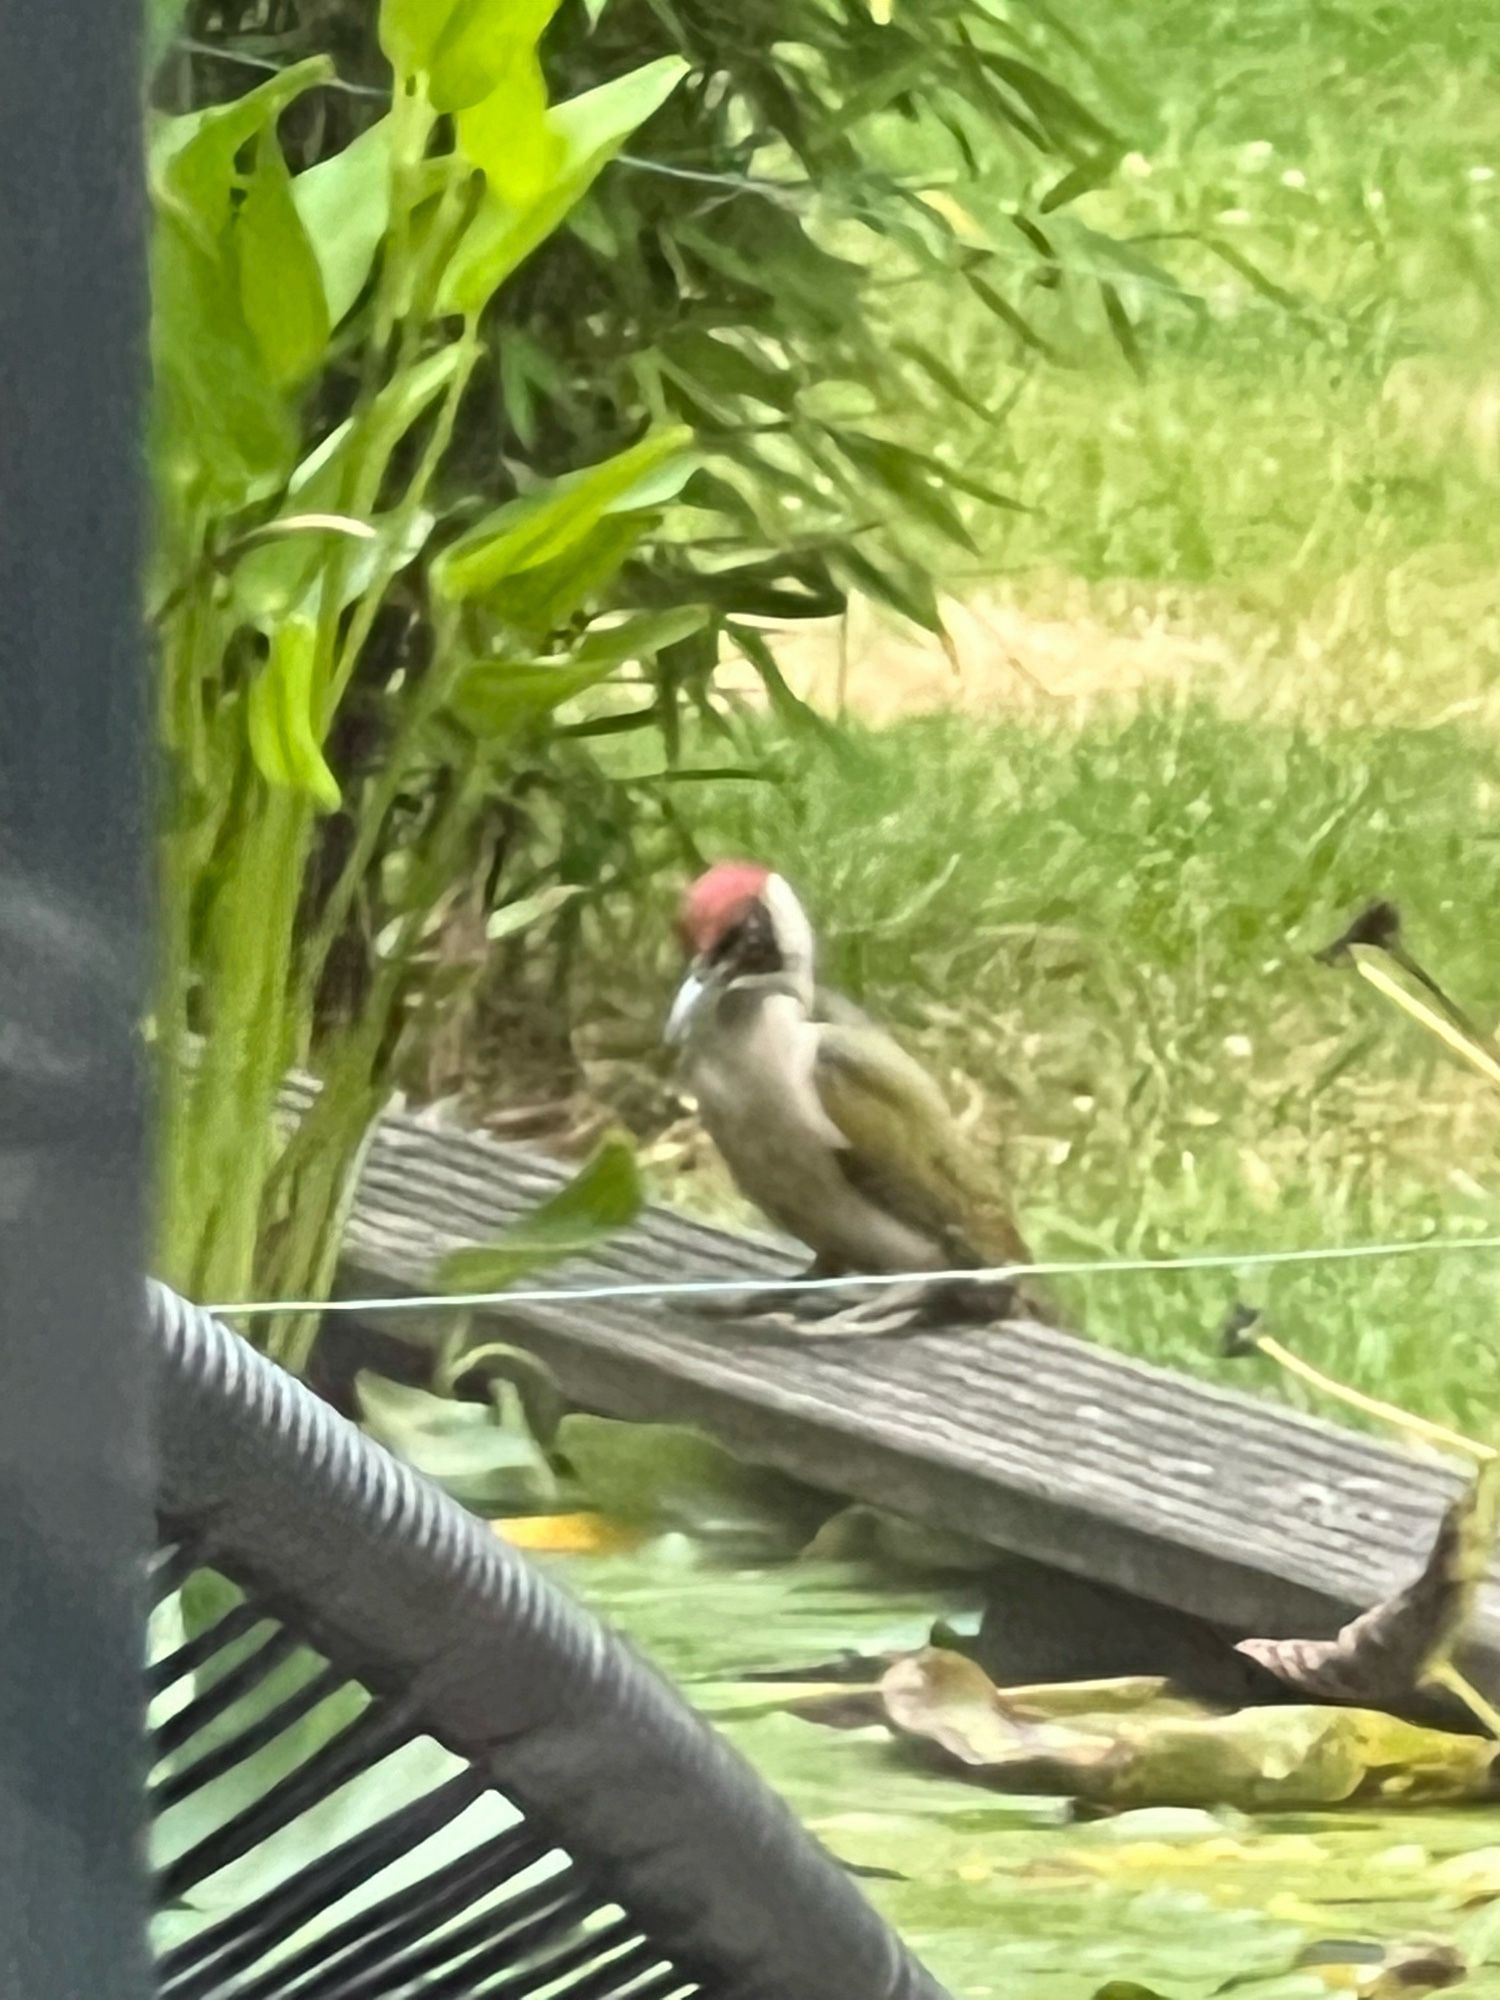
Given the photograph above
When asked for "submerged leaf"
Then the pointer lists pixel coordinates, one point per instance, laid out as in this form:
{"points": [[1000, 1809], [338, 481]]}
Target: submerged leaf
{"points": [[483, 1454], [670, 1477]]}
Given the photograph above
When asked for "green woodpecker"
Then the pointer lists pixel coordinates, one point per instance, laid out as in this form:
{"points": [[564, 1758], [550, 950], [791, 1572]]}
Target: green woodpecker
{"points": [[826, 1124]]}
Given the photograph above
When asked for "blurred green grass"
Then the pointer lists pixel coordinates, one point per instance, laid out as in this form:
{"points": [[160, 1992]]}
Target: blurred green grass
{"points": [[1096, 919], [1102, 939], [1308, 462]]}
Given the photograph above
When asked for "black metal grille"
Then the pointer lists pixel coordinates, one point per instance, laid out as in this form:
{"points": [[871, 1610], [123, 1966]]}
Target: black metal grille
{"points": [[312, 1843], [392, 1762]]}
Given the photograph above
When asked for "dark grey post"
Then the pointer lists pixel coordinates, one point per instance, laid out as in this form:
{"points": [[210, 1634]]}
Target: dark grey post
{"points": [[73, 1475]]}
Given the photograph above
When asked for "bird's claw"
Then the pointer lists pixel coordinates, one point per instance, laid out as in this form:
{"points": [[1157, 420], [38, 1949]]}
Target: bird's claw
{"points": [[816, 1315], [789, 1301], [894, 1309]]}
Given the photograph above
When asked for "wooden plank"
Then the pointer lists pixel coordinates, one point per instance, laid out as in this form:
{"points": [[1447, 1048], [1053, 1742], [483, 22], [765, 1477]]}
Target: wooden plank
{"points": [[1193, 1496]]}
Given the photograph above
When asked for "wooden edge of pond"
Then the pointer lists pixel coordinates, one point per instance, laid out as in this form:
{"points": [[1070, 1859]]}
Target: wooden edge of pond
{"points": [[1204, 1499]]}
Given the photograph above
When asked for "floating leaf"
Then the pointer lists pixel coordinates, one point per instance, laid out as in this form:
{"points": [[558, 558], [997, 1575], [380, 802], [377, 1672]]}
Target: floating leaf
{"points": [[570, 1534], [947, 1700], [1256, 1759], [664, 1476], [481, 1453]]}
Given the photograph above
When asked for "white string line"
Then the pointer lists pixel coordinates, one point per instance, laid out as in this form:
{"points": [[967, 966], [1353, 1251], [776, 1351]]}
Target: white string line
{"points": [[1095, 1267]]}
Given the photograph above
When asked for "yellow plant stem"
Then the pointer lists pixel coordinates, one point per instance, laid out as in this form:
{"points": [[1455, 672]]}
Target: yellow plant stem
{"points": [[1474, 1053], [1445, 1674], [1372, 1406]]}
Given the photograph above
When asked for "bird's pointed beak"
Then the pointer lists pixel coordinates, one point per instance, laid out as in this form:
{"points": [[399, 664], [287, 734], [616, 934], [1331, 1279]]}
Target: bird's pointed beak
{"points": [[689, 993]]}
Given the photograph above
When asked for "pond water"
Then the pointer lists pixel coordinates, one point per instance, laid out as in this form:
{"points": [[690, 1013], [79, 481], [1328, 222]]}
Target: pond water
{"points": [[1003, 1895]]}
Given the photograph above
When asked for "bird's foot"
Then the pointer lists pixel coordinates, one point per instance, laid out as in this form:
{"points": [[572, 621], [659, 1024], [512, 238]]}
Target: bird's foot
{"points": [[779, 1302], [893, 1309], [924, 1302]]}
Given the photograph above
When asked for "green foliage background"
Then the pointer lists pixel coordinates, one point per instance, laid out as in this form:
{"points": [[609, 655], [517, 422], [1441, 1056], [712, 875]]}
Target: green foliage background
{"points": [[477, 437]]}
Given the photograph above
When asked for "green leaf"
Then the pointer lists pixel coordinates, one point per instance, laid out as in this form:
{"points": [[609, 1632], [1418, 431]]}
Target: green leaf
{"points": [[411, 29], [222, 429], [345, 206], [793, 711], [895, 582], [910, 478], [546, 525], [281, 286], [283, 574], [728, 370], [1080, 180], [495, 698], [193, 157], [284, 740], [1122, 327], [666, 1477], [487, 53], [538, 601], [590, 130], [937, 371], [1251, 272], [1004, 311], [604, 1197], [640, 637], [480, 1453], [509, 138]]}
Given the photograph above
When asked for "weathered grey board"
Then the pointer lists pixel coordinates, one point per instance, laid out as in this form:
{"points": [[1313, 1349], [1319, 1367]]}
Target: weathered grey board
{"points": [[1198, 1497]]}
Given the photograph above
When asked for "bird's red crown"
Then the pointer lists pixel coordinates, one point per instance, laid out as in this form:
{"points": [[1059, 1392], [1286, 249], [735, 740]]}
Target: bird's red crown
{"points": [[714, 904]]}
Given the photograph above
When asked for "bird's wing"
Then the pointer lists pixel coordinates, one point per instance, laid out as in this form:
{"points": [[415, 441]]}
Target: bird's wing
{"points": [[905, 1153], [838, 1009]]}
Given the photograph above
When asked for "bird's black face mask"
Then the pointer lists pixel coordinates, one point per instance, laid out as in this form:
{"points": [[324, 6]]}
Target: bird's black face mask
{"points": [[749, 949]]}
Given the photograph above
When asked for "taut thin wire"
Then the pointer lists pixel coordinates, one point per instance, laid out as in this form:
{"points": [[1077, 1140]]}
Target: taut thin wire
{"points": [[1095, 1267]]}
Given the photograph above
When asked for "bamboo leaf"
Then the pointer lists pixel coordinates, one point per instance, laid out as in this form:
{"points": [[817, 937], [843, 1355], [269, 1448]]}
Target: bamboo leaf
{"points": [[543, 526], [483, 1454]]}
